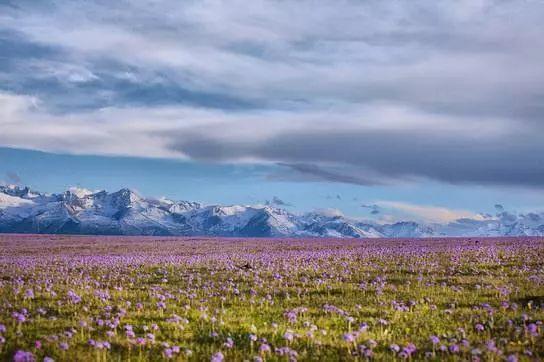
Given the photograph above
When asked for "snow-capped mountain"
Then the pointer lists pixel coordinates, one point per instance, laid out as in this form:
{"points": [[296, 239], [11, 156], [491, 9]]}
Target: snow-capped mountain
{"points": [[80, 211]]}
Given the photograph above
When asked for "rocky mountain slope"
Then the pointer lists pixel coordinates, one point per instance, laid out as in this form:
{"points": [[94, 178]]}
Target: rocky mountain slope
{"points": [[79, 211]]}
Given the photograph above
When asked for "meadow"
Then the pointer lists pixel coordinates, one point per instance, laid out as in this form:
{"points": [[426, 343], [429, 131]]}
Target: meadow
{"points": [[67, 298]]}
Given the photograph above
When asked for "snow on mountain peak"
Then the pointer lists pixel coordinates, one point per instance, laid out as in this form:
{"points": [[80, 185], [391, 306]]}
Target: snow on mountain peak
{"points": [[81, 211], [80, 192], [7, 201]]}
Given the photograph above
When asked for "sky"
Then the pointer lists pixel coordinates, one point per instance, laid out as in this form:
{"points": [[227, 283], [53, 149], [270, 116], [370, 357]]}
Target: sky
{"points": [[424, 109]]}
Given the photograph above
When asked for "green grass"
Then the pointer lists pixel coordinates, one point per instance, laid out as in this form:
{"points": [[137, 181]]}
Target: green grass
{"points": [[444, 288]]}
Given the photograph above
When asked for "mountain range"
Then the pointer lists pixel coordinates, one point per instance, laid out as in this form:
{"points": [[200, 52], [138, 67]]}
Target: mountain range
{"points": [[125, 212]]}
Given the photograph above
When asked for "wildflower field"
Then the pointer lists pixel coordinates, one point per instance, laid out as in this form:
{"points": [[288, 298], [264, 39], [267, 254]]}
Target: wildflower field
{"points": [[67, 298]]}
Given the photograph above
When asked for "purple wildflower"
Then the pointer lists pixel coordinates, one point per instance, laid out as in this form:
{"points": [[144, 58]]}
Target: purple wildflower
{"points": [[168, 353], [229, 343], [217, 357], [512, 358], [349, 337], [532, 328], [23, 356], [141, 341], [288, 336], [264, 348], [29, 294]]}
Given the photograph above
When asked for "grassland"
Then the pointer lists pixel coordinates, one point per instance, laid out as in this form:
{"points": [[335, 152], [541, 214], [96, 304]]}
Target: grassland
{"points": [[118, 298]]}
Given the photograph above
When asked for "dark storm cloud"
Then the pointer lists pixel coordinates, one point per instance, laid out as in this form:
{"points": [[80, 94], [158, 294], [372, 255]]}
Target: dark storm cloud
{"points": [[312, 172], [391, 154]]}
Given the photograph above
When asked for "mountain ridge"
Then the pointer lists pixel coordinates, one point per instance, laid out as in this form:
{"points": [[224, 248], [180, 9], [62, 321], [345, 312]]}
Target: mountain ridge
{"points": [[125, 212]]}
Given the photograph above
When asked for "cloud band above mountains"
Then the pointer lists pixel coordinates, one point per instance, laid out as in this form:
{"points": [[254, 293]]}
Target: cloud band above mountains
{"points": [[357, 92]]}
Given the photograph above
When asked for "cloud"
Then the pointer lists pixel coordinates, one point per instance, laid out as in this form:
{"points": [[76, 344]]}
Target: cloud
{"points": [[367, 93], [276, 201], [309, 143], [329, 212], [13, 177], [360, 52], [373, 208], [375, 156], [324, 173], [428, 214]]}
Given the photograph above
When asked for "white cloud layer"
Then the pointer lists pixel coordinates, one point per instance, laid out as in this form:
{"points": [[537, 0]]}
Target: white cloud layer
{"points": [[427, 214]]}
